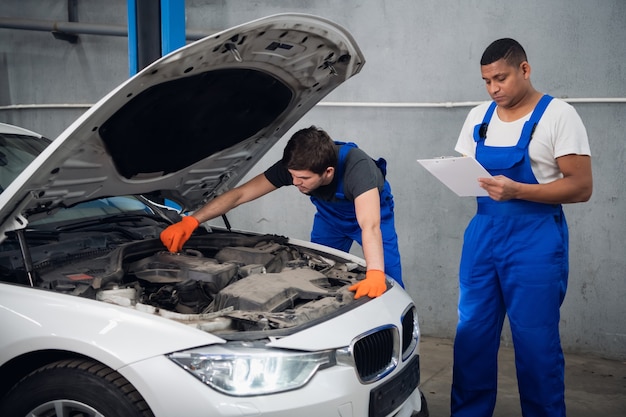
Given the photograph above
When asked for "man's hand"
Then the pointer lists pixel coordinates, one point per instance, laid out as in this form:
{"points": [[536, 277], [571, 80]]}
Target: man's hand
{"points": [[374, 285], [575, 186], [499, 188], [175, 236]]}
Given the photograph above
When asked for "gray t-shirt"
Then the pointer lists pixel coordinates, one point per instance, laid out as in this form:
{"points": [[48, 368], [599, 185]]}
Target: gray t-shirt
{"points": [[360, 175]]}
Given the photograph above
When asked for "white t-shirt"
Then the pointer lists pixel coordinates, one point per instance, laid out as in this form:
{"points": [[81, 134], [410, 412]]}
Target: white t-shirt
{"points": [[560, 132]]}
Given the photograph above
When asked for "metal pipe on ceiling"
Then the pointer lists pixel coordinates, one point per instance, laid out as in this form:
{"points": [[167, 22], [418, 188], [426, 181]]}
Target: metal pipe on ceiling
{"points": [[77, 28]]}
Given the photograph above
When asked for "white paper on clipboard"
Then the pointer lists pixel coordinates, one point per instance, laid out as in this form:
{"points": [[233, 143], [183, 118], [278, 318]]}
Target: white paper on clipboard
{"points": [[460, 174]]}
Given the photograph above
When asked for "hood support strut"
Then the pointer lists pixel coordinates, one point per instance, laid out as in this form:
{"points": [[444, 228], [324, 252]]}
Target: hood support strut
{"points": [[28, 261]]}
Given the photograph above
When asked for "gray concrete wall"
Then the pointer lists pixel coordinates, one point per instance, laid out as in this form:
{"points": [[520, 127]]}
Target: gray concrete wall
{"points": [[423, 52]]}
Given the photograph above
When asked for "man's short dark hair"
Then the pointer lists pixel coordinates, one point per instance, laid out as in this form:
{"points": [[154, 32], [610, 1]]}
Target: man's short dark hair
{"points": [[508, 49], [310, 149]]}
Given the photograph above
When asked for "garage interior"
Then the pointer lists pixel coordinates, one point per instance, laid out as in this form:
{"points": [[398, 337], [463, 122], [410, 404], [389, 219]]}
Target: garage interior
{"points": [[410, 100]]}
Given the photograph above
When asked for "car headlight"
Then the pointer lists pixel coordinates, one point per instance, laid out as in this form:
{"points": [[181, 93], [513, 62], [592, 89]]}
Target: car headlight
{"points": [[245, 369]]}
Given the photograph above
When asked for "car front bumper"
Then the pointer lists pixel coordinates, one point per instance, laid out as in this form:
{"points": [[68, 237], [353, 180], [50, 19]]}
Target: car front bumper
{"points": [[336, 391]]}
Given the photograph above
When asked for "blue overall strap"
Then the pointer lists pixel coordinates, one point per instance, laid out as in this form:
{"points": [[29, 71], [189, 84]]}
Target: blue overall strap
{"points": [[341, 162], [531, 124], [480, 130]]}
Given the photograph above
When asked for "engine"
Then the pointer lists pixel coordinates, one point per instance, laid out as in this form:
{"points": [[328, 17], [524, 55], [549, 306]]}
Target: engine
{"points": [[227, 283]]}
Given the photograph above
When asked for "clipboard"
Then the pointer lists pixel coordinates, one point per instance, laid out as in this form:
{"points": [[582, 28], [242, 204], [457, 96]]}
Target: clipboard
{"points": [[458, 173]]}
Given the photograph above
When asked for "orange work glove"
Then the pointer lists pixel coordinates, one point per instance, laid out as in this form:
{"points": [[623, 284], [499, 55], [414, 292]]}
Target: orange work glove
{"points": [[373, 285], [175, 235]]}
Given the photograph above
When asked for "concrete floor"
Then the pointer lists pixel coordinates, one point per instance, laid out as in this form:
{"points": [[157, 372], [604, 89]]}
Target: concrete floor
{"points": [[594, 386]]}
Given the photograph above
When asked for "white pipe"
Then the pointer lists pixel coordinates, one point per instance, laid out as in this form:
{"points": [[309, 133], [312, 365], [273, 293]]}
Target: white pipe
{"points": [[450, 104], [446, 104], [398, 105], [45, 106]]}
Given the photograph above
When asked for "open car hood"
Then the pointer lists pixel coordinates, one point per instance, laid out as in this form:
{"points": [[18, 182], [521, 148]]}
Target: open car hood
{"points": [[192, 124]]}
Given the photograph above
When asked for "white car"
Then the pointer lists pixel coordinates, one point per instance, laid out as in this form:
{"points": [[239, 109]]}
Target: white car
{"points": [[98, 319]]}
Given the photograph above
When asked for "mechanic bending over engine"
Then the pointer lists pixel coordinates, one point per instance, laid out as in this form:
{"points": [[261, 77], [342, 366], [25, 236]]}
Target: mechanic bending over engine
{"points": [[348, 188]]}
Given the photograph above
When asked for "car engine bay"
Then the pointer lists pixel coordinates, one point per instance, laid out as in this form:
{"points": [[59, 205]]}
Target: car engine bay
{"points": [[230, 284]]}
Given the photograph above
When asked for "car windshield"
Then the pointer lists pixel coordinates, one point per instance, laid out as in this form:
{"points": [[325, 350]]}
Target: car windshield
{"points": [[86, 229], [98, 210], [16, 152]]}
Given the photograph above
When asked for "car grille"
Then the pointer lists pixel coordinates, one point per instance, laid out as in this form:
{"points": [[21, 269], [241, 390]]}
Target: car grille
{"points": [[376, 353], [410, 332]]}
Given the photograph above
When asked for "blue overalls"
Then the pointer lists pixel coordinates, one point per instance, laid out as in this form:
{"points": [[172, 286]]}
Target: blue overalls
{"points": [[335, 222], [514, 262]]}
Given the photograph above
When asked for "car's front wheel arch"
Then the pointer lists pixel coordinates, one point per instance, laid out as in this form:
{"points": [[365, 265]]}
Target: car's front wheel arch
{"points": [[18, 367], [76, 384]]}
